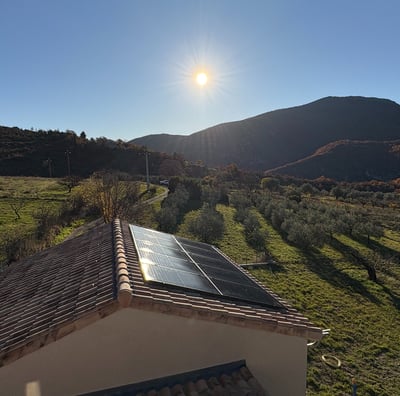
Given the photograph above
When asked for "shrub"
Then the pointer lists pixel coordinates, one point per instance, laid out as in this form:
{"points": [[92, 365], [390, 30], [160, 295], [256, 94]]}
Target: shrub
{"points": [[17, 243]]}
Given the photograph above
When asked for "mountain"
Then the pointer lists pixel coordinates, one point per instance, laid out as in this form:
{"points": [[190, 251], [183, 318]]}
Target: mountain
{"points": [[348, 160], [279, 137]]}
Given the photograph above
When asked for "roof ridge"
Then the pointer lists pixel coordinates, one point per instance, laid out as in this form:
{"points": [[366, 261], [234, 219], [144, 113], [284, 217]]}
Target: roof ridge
{"points": [[124, 288]]}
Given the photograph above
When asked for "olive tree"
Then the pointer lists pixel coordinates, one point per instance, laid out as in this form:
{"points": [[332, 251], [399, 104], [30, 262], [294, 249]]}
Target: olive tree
{"points": [[208, 226]]}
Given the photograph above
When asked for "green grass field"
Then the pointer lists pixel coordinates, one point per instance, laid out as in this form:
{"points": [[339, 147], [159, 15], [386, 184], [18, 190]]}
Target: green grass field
{"points": [[31, 192], [28, 195], [335, 294], [363, 316]]}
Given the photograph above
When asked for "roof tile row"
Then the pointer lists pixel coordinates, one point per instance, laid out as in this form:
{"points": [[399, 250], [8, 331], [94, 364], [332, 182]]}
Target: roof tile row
{"points": [[54, 287], [232, 379]]}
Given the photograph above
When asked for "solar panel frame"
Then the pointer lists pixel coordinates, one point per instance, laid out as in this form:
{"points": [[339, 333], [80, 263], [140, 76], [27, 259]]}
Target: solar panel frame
{"points": [[242, 287], [168, 268], [178, 262]]}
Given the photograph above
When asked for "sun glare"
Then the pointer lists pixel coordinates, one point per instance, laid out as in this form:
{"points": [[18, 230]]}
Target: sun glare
{"points": [[203, 73], [201, 78]]}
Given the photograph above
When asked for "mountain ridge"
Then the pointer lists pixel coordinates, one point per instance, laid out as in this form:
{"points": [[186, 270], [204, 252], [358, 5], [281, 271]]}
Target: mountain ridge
{"points": [[282, 136], [378, 160]]}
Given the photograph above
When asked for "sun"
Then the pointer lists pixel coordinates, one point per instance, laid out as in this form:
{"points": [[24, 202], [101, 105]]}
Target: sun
{"points": [[201, 78]]}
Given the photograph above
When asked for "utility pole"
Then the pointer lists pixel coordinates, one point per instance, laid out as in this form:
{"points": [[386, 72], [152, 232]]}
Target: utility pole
{"points": [[147, 171], [67, 152], [49, 161]]}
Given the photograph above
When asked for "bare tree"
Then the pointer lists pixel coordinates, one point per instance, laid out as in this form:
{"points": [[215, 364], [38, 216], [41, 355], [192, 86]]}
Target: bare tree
{"points": [[16, 205], [113, 194], [70, 182]]}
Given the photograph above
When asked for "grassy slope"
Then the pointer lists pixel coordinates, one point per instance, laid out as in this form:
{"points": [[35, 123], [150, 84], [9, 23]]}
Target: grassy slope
{"points": [[363, 318], [334, 293], [33, 191], [39, 192]]}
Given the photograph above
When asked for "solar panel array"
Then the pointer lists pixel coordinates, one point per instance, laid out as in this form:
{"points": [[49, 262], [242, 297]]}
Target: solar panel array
{"points": [[180, 262]]}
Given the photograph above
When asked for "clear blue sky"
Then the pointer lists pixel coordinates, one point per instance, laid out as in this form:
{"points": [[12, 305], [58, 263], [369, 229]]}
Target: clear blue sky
{"points": [[124, 68]]}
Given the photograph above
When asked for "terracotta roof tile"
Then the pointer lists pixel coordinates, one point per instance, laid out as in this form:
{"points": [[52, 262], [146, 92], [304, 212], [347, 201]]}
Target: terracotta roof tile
{"points": [[50, 288], [232, 379]]}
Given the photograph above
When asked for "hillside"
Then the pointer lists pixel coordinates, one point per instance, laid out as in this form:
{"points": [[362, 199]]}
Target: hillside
{"points": [[28, 153], [347, 160], [280, 137]]}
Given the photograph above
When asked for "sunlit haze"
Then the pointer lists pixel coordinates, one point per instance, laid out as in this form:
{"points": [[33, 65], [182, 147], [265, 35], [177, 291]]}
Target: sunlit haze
{"points": [[124, 69]]}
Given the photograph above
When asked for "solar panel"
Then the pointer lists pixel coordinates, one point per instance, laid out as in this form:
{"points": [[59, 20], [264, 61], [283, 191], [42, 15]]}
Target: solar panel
{"points": [[176, 261], [171, 276], [163, 260], [225, 275]]}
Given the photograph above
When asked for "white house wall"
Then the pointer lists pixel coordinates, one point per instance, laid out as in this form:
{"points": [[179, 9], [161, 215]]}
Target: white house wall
{"points": [[133, 345]]}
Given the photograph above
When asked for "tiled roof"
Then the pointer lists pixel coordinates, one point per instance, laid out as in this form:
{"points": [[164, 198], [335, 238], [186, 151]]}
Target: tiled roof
{"points": [[51, 293], [64, 288], [224, 380]]}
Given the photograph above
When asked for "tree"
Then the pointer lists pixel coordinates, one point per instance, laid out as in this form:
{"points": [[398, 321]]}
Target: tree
{"points": [[278, 216], [113, 194], [293, 194], [368, 265], [255, 237], [70, 182], [46, 219], [302, 234], [337, 192], [172, 208], [381, 263], [171, 167], [270, 183], [167, 219], [192, 186], [307, 189], [208, 225], [16, 205], [241, 214], [240, 200], [210, 195], [349, 221], [369, 229]]}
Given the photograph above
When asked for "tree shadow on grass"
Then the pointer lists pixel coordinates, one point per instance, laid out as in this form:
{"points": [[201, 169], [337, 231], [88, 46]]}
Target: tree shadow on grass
{"points": [[270, 265], [395, 298], [350, 252], [325, 268], [377, 246], [274, 266]]}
